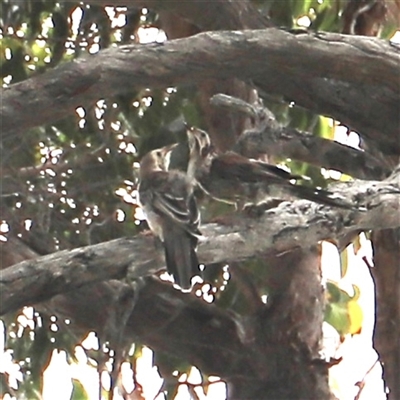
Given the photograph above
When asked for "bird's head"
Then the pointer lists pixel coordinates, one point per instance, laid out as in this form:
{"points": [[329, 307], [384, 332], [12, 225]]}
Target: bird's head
{"points": [[156, 160], [199, 142]]}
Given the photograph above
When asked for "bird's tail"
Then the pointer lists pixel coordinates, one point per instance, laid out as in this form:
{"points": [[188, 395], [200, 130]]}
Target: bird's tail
{"points": [[322, 196], [181, 257]]}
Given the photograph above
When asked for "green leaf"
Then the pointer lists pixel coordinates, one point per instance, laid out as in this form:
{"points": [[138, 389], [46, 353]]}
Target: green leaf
{"points": [[300, 7], [357, 244], [78, 391], [344, 262], [327, 20], [337, 316], [343, 311], [324, 128], [334, 292]]}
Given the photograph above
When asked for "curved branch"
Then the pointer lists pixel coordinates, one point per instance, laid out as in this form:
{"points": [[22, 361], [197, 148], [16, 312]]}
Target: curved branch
{"points": [[367, 101], [300, 224], [269, 137], [302, 146]]}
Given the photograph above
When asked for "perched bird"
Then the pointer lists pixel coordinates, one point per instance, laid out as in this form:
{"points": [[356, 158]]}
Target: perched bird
{"points": [[234, 179], [172, 214]]}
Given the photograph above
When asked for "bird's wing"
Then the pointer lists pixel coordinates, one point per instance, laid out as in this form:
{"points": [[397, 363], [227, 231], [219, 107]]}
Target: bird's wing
{"points": [[175, 207], [170, 195], [276, 171], [232, 166]]}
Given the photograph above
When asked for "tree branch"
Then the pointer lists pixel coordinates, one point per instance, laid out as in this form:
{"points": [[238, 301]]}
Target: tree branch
{"points": [[367, 101], [302, 146], [237, 237], [269, 137]]}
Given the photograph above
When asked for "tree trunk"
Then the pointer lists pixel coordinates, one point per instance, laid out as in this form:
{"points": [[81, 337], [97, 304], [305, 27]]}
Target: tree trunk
{"points": [[386, 274], [288, 334]]}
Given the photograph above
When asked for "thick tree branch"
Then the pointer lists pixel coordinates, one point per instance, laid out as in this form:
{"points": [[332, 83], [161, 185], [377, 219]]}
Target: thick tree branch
{"points": [[169, 321], [291, 143], [367, 101], [269, 137], [297, 225], [201, 333]]}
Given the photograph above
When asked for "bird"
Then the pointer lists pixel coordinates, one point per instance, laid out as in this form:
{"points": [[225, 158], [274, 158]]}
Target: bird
{"points": [[234, 179], [168, 202]]}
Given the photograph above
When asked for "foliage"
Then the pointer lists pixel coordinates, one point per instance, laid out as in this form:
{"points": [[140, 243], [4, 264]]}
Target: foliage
{"points": [[342, 310]]}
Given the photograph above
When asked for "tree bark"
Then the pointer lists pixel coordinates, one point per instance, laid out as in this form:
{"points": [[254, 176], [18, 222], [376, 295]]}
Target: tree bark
{"points": [[297, 225], [386, 273], [288, 334], [272, 353], [268, 136], [367, 101], [223, 126]]}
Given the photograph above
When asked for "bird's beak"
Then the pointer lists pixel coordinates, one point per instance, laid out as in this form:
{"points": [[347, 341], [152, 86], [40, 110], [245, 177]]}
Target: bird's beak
{"points": [[187, 126], [169, 148], [166, 152], [192, 138], [190, 133]]}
